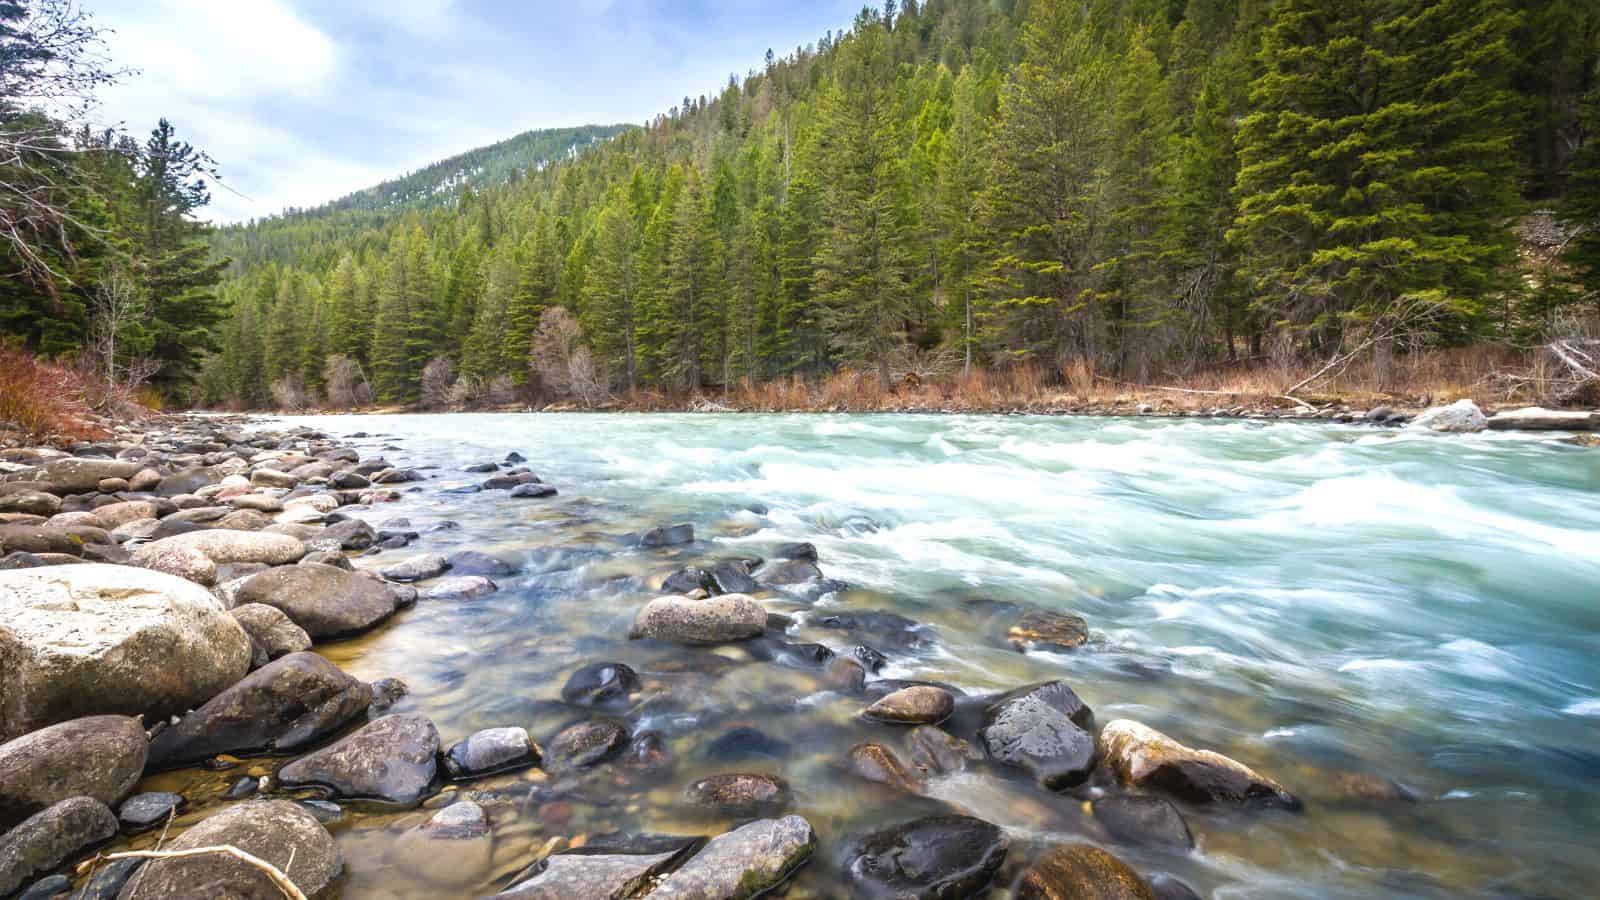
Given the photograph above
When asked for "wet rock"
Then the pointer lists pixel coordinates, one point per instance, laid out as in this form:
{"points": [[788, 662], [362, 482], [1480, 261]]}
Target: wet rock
{"points": [[737, 795], [1040, 729], [481, 468], [80, 476], [798, 550], [747, 743], [1145, 758], [283, 706], [50, 837], [585, 744], [715, 620], [327, 558], [273, 478], [1165, 887], [323, 811], [92, 638], [351, 534], [272, 634], [472, 562], [584, 876], [514, 457], [417, 568], [600, 684], [187, 482], [510, 481], [47, 888], [1461, 417], [1045, 630], [648, 753], [348, 481], [277, 831], [454, 848], [397, 476], [1361, 787], [386, 692], [870, 659], [916, 705], [533, 491], [788, 572], [928, 859], [100, 757], [732, 577], [21, 560], [1140, 819], [326, 601], [844, 675], [877, 763], [934, 751], [687, 580], [459, 587], [490, 751], [1082, 872], [243, 788], [668, 536], [743, 863], [392, 759], [108, 880], [142, 811]]}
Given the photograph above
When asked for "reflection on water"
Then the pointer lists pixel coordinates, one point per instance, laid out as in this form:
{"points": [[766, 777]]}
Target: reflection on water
{"points": [[1314, 601]]}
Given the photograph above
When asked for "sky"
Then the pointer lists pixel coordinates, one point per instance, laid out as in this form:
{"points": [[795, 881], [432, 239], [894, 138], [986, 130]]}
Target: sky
{"points": [[303, 101]]}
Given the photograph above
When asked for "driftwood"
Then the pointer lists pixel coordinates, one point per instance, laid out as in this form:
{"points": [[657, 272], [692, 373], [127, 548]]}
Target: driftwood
{"points": [[1179, 390]]}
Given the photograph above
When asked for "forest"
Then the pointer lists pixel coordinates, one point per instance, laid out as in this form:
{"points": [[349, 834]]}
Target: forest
{"points": [[1142, 189]]}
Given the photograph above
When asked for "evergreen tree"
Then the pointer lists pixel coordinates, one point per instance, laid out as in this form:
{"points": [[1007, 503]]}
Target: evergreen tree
{"points": [[612, 290]]}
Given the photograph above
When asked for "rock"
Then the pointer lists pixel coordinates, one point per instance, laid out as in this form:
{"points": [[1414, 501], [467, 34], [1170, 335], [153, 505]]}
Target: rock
{"points": [[472, 562], [728, 617], [933, 751], [514, 457], [144, 480], [348, 481], [585, 744], [799, 550], [1045, 630], [533, 491], [732, 577], [747, 743], [668, 536], [47, 888], [454, 848], [179, 561], [243, 788], [224, 546], [39, 539], [743, 863], [112, 485], [491, 751], [1462, 416], [1165, 887], [875, 762], [187, 482], [459, 587], [277, 831], [326, 601], [21, 560], [80, 476], [739, 795], [417, 568], [1141, 819], [396, 476], [148, 810], [108, 880], [99, 756], [1145, 758], [845, 675], [509, 481], [32, 503], [788, 572], [600, 684], [92, 638], [393, 759], [481, 468], [386, 692], [585, 876], [1082, 872], [1536, 418], [283, 706], [688, 580], [928, 859], [920, 704], [116, 515], [51, 837], [1040, 728], [273, 478], [258, 502], [327, 558], [272, 634]]}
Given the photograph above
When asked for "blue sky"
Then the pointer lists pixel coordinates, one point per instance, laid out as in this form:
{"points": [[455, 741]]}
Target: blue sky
{"points": [[301, 101]]}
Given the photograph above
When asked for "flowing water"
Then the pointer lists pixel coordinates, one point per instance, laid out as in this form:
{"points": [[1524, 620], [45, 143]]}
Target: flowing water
{"points": [[1313, 600]]}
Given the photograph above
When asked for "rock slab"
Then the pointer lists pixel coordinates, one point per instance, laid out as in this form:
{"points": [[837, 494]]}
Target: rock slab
{"points": [[394, 759]]}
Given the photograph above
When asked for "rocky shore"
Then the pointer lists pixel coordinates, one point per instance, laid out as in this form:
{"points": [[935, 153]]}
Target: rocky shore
{"points": [[163, 595]]}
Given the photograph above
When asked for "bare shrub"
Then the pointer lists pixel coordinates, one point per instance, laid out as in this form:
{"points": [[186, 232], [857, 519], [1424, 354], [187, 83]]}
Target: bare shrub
{"points": [[347, 385], [465, 393], [500, 390], [289, 392], [563, 365], [438, 377]]}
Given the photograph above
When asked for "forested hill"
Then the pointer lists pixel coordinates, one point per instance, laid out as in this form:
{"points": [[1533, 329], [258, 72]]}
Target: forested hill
{"points": [[274, 239], [1134, 187]]}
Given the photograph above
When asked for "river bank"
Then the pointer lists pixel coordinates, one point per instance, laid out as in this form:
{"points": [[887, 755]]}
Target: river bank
{"points": [[831, 694]]}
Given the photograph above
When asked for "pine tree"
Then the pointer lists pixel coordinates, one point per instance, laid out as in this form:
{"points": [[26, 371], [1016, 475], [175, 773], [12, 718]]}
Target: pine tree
{"points": [[403, 328], [612, 290], [962, 177]]}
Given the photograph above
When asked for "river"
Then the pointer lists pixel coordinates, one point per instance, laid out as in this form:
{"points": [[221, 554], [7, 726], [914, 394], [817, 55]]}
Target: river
{"points": [[1310, 599]]}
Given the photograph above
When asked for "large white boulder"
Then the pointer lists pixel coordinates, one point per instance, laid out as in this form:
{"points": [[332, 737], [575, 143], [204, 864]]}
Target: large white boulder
{"points": [[1462, 416]]}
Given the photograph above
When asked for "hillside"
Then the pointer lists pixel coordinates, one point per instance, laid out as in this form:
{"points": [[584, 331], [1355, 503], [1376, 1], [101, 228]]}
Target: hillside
{"points": [[1114, 193]]}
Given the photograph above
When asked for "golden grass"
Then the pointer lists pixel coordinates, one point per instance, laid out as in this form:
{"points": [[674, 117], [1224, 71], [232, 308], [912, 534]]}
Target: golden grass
{"points": [[40, 399]]}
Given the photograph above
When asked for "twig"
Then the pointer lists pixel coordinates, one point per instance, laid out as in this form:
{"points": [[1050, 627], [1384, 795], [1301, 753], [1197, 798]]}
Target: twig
{"points": [[279, 880]]}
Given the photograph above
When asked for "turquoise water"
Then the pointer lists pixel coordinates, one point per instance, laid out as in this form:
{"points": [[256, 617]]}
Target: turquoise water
{"points": [[1310, 599]]}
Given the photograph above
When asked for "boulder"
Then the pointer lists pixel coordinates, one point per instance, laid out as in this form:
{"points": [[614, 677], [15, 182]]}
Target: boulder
{"points": [[394, 759], [92, 638], [1042, 629], [80, 476], [738, 795], [533, 491], [600, 684], [714, 620], [33, 503], [589, 876], [732, 577], [1040, 729], [1461, 417], [920, 704], [472, 562], [585, 744], [51, 837], [1082, 872], [454, 848], [459, 587], [668, 536], [933, 751], [417, 568], [142, 811], [225, 546], [283, 706], [348, 481], [98, 756], [39, 539], [1143, 819], [277, 831], [117, 515], [1536, 418], [877, 763], [927, 859], [326, 601], [490, 751], [1145, 758], [272, 634], [743, 863], [176, 560], [351, 534]]}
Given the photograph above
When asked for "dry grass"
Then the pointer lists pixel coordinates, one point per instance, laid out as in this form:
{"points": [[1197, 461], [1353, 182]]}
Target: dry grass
{"points": [[40, 399]]}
